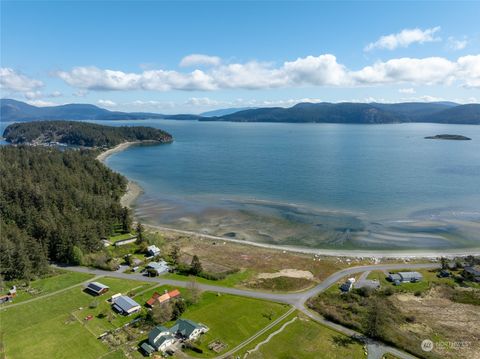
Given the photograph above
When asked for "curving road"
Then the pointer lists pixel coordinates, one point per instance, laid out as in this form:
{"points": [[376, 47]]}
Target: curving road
{"points": [[375, 349]]}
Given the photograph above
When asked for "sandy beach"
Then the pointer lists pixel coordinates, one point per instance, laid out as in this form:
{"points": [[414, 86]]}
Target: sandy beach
{"points": [[133, 189]]}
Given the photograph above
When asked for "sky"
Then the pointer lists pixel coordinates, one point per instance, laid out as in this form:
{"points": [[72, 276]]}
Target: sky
{"points": [[191, 57]]}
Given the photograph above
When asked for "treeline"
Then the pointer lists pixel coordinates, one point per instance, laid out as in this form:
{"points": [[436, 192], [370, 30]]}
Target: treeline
{"points": [[81, 133], [54, 205]]}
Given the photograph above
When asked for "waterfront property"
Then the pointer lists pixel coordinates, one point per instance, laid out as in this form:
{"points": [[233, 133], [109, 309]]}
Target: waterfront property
{"points": [[125, 305], [472, 273], [404, 277], [96, 288]]}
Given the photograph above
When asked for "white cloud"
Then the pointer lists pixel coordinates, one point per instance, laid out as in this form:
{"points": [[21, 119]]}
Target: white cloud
{"points": [[11, 80], [322, 70], [199, 59], [455, 44], [409, 90], [32, 95], [426, 71], [106, 103], [41, 103], [404, 38]]}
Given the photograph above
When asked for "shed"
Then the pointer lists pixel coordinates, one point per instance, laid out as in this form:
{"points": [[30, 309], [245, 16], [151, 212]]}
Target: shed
{"points": [[96, 288]]}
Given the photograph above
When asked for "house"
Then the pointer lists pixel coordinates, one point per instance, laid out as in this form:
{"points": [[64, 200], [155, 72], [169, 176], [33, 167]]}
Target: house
{"points": [[125, 305], [162, 338], [96, 288], [162, 298], [153, 250], [188, 329], [158, 267], [472, 273], [404, 277]]}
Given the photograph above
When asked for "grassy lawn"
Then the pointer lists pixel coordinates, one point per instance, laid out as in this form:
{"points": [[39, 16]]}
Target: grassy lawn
{"points": [[60, 280], [49, 324], [232, 280], [112, 320], [429, 277], [231, 319], [305, 339], [120, 237]]}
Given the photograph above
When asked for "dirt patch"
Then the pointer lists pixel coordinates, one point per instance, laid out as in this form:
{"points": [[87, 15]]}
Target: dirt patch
{"points": [[292, 273], [453, 327]]}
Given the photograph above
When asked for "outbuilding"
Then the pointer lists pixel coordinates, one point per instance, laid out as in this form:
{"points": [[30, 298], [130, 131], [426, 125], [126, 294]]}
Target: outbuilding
{"points": [[96, 288], [125, 305]]}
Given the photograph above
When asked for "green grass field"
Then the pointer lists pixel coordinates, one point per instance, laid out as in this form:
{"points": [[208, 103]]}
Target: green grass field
{"points": [[231, 319], [47, 328], [232, 280], [305, 339], [60, 280]]}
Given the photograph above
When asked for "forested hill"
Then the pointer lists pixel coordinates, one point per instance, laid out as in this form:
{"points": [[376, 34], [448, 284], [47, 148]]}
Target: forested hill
{"points": [[81, 133], [361, 113], [54, 205]]}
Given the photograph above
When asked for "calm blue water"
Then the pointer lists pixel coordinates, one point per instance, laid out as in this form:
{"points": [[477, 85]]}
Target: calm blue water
{"points": [[241, 179], [325, 185]]}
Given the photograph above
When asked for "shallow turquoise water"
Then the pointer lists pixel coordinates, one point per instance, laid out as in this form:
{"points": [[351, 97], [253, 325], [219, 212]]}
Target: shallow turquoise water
{"points": [[314, 185]]}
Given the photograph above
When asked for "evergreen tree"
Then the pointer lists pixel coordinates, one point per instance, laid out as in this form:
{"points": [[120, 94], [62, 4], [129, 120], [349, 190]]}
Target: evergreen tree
{"points": [[196, 265]]}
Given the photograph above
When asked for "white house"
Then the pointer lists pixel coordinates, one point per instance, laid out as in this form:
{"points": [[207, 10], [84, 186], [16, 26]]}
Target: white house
{"points": [[153, 250]]}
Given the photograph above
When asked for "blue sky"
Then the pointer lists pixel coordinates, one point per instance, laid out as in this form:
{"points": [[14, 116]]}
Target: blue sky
{"points": [[195, 56]]}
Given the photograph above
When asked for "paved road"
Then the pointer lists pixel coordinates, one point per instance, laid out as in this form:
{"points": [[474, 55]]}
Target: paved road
{"points": [[375, 349]]}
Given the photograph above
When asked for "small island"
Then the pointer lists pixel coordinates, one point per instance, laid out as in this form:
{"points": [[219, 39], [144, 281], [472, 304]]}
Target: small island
{"points": [[81, 134], [448, 137]]}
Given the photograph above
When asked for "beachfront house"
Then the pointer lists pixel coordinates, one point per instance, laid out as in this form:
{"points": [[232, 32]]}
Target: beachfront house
{"points": [[157, 298], [153, 250], [125, 305], [96, 288], [404, 277]]}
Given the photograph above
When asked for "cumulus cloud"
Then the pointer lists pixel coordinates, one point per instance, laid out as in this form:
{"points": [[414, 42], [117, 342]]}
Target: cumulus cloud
{"points": [[322, 70], [455, 44], [199, 59], [11, 80], [41, 103], [106, 103], [404, 38]]}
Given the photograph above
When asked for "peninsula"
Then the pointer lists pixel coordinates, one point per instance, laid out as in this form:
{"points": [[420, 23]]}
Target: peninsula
{"points": [[81, 134]]}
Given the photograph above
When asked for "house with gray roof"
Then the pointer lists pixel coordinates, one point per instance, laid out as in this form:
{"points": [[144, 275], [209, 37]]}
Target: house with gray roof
{"points": [[404, 277], [125, 305], [158, 267]]}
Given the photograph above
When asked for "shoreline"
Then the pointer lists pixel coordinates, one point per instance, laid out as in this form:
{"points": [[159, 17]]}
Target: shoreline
{"points": [[351, 253], [134, 190]]}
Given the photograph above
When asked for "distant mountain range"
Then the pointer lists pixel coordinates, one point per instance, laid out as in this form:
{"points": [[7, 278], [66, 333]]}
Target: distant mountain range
{"points": [[12, 110], [367, 113], [346, 112]]}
